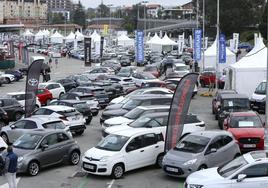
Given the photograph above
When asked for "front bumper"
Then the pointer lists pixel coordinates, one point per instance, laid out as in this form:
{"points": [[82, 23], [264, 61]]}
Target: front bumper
{"points": [[257, 105], [76, 128], [96, 167], [178, 171]]}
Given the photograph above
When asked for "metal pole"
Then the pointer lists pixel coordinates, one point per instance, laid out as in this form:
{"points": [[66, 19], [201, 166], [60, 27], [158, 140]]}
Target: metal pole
{"points": [[197, 13], [266, 102], [203, 59], [217, 49], [144, 16], [110, 27]]}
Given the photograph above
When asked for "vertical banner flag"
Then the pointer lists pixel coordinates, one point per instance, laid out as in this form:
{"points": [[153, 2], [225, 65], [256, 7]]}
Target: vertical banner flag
{"points": [[191, 41], [235, 41], [179, 109], [101, 46], [87, 51], [197, 44], [222, 49], [32, 82], [105, 29], [139, 47], [180, 44]]}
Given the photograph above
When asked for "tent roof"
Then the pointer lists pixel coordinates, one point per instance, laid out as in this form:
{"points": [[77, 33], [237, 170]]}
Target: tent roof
{"points": [[155, 40], [39, 33], [167, 41], [56, 35], [124, 38], [79, 34], [95, 36], [70, 36], [211, 51], [28, 33]]}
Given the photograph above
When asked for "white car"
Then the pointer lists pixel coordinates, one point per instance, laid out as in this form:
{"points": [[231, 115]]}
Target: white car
{"points": [[69, 115], [55, 88], [142, 91], [20, 97], [98, 71], [54, 54], [8, 77], [158, 121], [143, 78], [124, 151], [181, 69], [247, 171]]}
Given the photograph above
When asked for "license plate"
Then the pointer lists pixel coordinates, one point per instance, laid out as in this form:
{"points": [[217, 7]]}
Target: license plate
{"points": [[171, 169], [88, 166], [255, 107], [249, 145]]}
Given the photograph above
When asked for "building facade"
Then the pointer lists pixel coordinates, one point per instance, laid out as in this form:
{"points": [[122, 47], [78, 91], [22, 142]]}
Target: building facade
{"points": [[23, 11], [59, 5]]}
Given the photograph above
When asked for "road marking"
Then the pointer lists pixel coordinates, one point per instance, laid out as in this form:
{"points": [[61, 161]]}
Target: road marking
{"points": [[6, 184], [181, 184], [110, 184], [83, 182]]}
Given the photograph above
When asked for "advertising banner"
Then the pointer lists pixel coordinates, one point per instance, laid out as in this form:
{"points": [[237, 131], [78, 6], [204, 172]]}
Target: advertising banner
{"points": [[87, 51], [139, 47], [222, 49], [197, 44]]}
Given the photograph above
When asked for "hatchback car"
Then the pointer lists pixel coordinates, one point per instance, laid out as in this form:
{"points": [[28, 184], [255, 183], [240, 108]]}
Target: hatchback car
{"points": [[68, 84], [200, 150], [247, 128], [55, 88], [42, 148], [247, 171], [44, 96], [124, 151], [142, 78], [12, 107]]}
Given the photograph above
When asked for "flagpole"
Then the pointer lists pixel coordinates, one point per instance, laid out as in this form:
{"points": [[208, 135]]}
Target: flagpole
{"points": [[203, 60], [266, 100], [217, 48]]}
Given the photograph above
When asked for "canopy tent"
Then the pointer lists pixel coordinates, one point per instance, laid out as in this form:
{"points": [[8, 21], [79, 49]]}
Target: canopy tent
{"points": [[95, 37], [70, 37], [56, 38], [124, 40], [79, 36], [155, 43], [210, 57], [39, 35], [167, 43], [248, 72], [28, 33]]}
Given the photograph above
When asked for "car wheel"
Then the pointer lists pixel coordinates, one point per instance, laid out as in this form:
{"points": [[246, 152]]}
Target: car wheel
{"points": [[61, 94], [2, 124], [17, 116], [74, 158], [47, 102], [79, 132], [8, 81], [5, 137], [202, 167], [159, 160], [118, 171], [33, 168]]}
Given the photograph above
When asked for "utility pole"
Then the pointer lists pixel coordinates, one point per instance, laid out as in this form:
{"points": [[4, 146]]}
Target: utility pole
{"points": [[203, 59], [217, 49], [266, 99]]}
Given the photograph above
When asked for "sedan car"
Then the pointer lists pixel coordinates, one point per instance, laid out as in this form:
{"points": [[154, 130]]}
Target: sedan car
{"points": [[247, 171], [142, 78], [200, 150], [124, 151], [12, 132], [247, 128], [39, 149]]}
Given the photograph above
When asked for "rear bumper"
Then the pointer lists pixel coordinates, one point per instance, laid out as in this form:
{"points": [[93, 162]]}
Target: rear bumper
{"points": [[76, 128]]}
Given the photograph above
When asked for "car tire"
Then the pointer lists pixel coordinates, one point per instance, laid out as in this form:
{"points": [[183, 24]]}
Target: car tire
{"points": [[202, 167], [5, 138], [17, 116], [159, 160], [33, 168], [2, 124], [79, 132], [74, 158], [8, 81], [60, 94], [118, 171]]}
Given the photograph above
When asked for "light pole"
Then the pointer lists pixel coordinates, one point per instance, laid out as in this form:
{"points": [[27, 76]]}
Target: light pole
{"points": [[217, 48], [203, 59], [144, 16], [110, 5]]}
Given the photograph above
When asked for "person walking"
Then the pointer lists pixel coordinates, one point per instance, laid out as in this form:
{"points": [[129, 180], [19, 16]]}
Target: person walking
{"points": [[56, 63], [11, 162], [50, 62]]}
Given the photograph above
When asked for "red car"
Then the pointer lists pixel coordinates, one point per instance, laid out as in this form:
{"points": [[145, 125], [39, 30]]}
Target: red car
{"points": [[44, 96], [152, 69], [208, 77], [247, 128]]}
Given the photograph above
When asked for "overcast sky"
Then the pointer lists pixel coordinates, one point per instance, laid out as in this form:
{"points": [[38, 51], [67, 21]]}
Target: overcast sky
{"points": [[95, 3]]}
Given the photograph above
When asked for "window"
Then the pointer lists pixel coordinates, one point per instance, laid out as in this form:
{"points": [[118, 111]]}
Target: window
{"points": [[148, 140], [51, 139], [56, 86], [49, 87], [30, 125], [135, 143], [62, 137], [227, 140], [217, 143], [20, 124], [54, 125], [259, 170]]}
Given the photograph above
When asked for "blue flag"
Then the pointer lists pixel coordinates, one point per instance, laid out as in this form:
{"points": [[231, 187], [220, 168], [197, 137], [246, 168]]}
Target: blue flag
{"points": [[197, 44], [222, 49], [139, 47]]}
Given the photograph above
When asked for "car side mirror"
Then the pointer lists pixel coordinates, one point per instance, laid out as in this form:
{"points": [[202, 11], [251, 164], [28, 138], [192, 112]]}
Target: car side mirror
{"points": [[130, 148], [212, 150], [44, 146], [241, 177], [12, 126]]}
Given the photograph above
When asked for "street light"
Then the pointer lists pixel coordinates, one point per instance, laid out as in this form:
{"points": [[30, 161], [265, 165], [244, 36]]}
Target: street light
{"points": [[110, 5], [144, 16]]}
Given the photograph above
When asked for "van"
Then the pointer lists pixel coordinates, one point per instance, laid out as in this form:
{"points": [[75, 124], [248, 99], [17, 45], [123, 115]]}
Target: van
{"points": [[258, 98], [180, 68]]}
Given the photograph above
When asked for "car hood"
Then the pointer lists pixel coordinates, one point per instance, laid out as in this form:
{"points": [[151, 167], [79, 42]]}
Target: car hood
{"points": [[248, 132], [179, 156], [118, 99], [21, 152], [114, 106], [114, 129], [115, 112], [204, 176], [117, 120], [99, 153]]}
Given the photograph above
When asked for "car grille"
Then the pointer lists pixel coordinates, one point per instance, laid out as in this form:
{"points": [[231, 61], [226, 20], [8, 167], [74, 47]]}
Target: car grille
{"points": [[90, 170], [92, 159], [249, 140]]}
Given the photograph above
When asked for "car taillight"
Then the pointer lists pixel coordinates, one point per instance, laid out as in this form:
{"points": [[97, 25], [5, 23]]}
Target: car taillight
{"points": [[63, 118]]}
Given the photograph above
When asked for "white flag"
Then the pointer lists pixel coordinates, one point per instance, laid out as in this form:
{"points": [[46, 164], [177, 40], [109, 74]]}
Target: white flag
{"points": [[255, 38], [236, 40], [191, 41], [180, 44]]}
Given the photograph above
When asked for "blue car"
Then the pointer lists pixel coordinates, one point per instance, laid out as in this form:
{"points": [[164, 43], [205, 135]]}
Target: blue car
{"points": [[16, 73]]}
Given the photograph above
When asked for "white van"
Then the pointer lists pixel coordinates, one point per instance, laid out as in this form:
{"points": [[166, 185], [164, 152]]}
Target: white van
{"points": [[258, 98], [181, 69]]}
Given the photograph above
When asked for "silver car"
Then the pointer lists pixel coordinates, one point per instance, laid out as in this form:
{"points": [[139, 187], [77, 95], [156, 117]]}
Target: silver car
{"points": [[200, 150], [11, 132]]}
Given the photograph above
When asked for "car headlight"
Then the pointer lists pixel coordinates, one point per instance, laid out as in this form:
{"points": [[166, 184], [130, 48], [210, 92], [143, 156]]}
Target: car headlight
{"points": [[195, 186], [190, 162], [20, 159], [104, 159]]}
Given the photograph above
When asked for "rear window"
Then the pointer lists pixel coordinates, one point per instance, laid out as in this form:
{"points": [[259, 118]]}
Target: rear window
{"points": [[68, 113], [54, 125], [84, 98]]}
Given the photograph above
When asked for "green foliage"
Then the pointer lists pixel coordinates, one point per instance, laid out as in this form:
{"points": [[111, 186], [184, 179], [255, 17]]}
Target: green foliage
{"points": [[79, 15], [263, 24], [57, 18]]}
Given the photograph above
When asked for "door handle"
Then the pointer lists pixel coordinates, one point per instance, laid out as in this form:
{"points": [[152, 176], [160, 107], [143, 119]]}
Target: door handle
{"points": [[156, 146], [142, 151]]}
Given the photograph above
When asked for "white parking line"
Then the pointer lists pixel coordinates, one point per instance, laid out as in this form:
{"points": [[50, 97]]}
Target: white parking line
{"points": [[110, 184]]}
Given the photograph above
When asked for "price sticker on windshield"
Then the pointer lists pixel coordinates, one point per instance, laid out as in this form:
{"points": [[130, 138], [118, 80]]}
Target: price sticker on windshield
{"points": [[230, 103], [245, 124]]}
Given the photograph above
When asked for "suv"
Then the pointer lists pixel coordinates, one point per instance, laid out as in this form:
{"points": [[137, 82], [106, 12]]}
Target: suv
{"points": [[217, 99], [20, 97], [13, 108], [68, 84], [231, 103], [258, 98], [3, 118]]}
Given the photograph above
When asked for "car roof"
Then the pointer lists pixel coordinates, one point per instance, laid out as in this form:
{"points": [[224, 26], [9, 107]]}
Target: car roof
{"points": [[90, 87], [136, 132], [153, 107], [153, 89], [81, 94], [246, 113], [156, 114], [151, 96], [44, 132], [16, 93], [58, 107], [72, 101], [47, 83], [234, 95], [42, 119], [211, 133]]}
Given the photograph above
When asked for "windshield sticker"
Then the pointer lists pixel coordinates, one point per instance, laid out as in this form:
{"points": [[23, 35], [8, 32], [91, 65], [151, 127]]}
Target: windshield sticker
{"points": [[230, 103], [246, 124]]}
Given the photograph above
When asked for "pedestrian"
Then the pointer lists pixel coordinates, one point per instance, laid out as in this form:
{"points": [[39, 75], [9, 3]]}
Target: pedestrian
{"points": [[56, 63], [50, 62], [2, 161], [11, 162]]}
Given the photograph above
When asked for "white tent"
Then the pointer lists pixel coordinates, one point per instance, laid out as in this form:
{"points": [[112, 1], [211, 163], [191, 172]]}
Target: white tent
{"points": [[166, 41], [124, 40], [70, 37], [155, 43], [46, 32], [28, 33], [79, 36], [210, 57], [248, 72], [39, 35], [56, 38], [95, 37]]}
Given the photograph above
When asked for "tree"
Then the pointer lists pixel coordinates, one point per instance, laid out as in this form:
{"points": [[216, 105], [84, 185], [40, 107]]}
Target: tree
{"points": [[263, 24], [79, 15], [103, 11], [57, 18]]}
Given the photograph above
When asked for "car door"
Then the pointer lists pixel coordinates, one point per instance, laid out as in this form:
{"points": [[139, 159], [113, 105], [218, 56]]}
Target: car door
{"points": [[64, 144], [256, 177], [57, 89], [50, 87], [6, 104]]}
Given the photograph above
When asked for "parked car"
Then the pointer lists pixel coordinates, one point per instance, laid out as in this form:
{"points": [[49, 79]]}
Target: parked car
{"points": [[208, 77], [125, 61], [44, 96], [80, 79], [112, 63], [258, 98], [55, 88], [97, 71], [200, 150], [127, 71], [181, 69], [39, 149], [231, 103], [80, 106], [13, 108], [21, 96], [69, 115], [247, 128], [124, 151], [16, 73], [3, 118], [12, 132], [68, 84], [8, 77], [151, 84], [2, 80], [127, 83], [216, 100], [172, 83], [153, 69], [143, 78], [247, 171]]}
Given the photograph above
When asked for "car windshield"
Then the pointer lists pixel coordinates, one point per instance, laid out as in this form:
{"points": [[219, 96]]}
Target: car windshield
{"points": [[42, 86], [150, 69], [134, 114], [148, 76], [112, 142], [141, 122], [245, 122], [27, 141], [261, 89], [231, 167], [131, 104], [192, 144], [235, 104], [181, 68], [54, 125]]}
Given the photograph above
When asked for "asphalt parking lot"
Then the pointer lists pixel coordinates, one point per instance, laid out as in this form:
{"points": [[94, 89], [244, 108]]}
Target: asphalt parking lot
{"points": [[72, 176]]}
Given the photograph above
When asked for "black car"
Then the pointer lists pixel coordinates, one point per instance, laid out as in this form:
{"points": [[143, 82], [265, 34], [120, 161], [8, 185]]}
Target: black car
{"points": [[126, 71], [80, 79], [217, 99], [68, 84], [112, 63], [125, 61], [80, 106], [16, 73], [231, 103], [12, 107], [3, 118], [133, 102]]}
